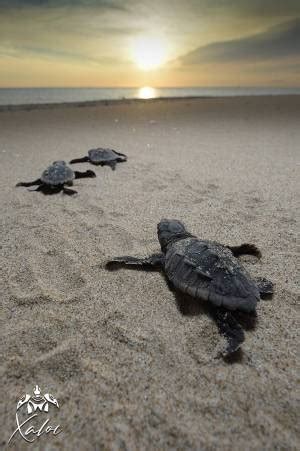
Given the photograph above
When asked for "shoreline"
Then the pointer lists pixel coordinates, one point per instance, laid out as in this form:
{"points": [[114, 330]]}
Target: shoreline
{"points": [[128, 101]]}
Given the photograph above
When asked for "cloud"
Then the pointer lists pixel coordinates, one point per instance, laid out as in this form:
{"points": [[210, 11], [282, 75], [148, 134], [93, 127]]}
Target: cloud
{"points": [[92, 33], [279, 41], [68, 56], [259, 8], [198, 9], [100, 4]]}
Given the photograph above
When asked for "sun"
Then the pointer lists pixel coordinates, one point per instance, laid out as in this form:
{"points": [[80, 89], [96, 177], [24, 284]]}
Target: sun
{"points": [[149, 52]]}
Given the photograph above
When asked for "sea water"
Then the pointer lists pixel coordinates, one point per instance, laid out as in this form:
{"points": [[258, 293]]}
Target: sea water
{"points": [[26, 96]]}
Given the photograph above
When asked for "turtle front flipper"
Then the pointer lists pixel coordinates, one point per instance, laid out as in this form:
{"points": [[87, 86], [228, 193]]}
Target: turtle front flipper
{"points": [[35, 182], [48, 190], [122, 157], [68, 191], [265, 287], [85, 174], [39, 188], [230, 328], [80, 160], [154, 261], [245, 249]]}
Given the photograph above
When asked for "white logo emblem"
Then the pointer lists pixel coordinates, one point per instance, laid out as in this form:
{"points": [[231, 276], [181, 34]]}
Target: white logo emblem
{"points": [[35, 404]]}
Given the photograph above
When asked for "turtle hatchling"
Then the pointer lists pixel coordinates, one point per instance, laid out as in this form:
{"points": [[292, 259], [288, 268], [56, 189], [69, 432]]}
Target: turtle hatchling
{"points": [[55, 177], [209, 271], [102, 157]]}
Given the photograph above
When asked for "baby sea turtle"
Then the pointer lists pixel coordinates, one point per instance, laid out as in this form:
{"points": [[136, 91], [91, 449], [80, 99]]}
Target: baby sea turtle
{"points": [[102, 157], [209, 271], [55, 177]]}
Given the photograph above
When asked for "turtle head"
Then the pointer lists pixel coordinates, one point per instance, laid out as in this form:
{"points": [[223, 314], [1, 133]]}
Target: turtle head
{"points": [[59, 163], [170, 230]]}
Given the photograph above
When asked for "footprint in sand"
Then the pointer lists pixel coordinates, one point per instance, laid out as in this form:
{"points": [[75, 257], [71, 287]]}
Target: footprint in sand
{"points": [[23, 285], [62, 362], [134, 339], [207, 335], [45, 274]]}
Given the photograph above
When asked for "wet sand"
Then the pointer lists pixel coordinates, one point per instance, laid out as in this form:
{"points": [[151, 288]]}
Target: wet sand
{"points": [[131, 367]]}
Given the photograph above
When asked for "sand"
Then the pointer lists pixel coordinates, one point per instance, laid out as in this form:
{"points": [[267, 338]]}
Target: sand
{"points": [[131, 368]]}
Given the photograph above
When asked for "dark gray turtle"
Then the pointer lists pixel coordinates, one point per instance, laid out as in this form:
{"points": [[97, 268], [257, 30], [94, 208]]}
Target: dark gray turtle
{"points": [[102, 157], [55, 177], [209, 271]]}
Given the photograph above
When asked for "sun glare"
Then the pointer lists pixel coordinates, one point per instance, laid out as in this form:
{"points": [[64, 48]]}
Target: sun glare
{"points": [[149, 52], [147, 93]]}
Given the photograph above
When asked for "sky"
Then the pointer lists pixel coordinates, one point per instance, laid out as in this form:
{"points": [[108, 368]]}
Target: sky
{"points": [[134, 43]]}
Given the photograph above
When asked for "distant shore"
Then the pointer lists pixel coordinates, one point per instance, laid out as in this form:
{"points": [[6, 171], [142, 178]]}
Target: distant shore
{"points": [[92, 103], [112, 102]]}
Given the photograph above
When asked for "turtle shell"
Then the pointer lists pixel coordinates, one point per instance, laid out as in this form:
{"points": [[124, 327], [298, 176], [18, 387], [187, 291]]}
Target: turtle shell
{"points": [[209, 271], [57, 173], [102, 155]]}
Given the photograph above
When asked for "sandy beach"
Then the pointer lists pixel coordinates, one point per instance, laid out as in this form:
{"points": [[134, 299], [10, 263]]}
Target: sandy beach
{"points": [[133, 369]]}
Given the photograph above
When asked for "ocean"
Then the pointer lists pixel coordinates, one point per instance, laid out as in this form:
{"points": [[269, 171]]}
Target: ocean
{"points": [[29, 96]]}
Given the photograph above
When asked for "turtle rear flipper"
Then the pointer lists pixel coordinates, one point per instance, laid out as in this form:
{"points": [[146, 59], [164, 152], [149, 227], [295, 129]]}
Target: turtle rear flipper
{"points": [[230, 328]]}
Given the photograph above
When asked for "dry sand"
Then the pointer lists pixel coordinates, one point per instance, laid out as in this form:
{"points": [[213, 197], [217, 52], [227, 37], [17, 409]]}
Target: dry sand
{"points": [[131, 368]]}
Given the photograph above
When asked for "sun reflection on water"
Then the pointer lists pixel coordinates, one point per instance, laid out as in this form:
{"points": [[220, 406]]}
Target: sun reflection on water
{"points": [[147, 93]]}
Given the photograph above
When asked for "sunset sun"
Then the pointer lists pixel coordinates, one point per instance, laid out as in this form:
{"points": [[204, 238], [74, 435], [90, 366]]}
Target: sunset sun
{"points": [[149, 52]]}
